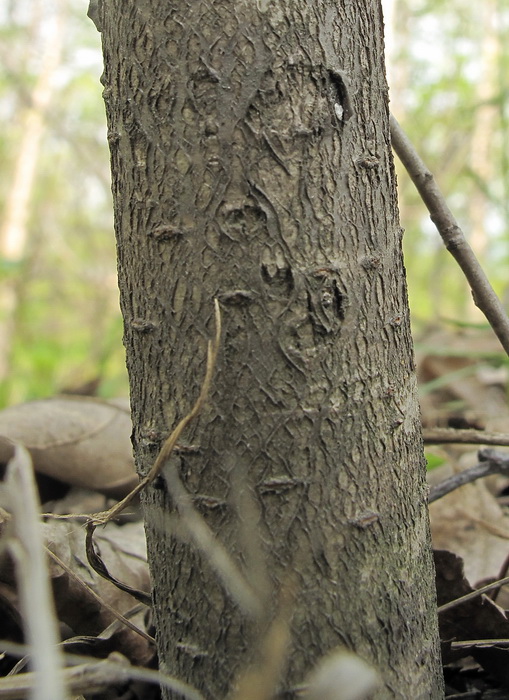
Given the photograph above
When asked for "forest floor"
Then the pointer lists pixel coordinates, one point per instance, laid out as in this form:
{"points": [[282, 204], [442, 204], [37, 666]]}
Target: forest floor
{"points": [[464, 385]]}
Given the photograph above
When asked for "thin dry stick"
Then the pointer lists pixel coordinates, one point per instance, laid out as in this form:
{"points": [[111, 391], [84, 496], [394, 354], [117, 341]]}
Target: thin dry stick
{"points": [[168, 446], [100, 568], [473, 594], [250, 538], [452, 235], [441, 436], [491, 462], [480, 643], [91, 676], [477, 471], [490, 528]]}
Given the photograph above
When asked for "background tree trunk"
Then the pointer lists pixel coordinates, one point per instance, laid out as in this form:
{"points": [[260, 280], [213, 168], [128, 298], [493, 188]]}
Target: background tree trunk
{"points": [[251, 163]]}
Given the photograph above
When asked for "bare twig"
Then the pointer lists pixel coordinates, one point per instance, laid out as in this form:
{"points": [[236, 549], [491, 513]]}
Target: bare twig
{"points": [[473, 594], [490, 462], [486, 525], [442, 436], [452, 235], [7, 517], [92, 676], [502, 643], [249, 599], [478, 471]]}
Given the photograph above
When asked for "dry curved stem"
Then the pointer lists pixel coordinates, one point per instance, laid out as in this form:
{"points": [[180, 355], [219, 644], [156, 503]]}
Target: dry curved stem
{"points": [[452, 235], [102, 518], [121, 618], [261, 678], [170, 443], [100, 568]]}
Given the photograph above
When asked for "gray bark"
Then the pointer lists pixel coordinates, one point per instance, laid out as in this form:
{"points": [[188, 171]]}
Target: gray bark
{"points": [[251, 163]]}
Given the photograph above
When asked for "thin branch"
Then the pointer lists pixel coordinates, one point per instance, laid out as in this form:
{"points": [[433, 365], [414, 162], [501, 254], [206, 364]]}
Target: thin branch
{"points": [[452, 235], [91, 676], [472, 595], [442, 436], [502, 643], [478, 471], [490, 462]]}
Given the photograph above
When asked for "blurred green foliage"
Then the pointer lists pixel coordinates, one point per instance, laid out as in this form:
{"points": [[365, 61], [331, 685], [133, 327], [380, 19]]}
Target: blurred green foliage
{"points": [[433, 460], [449, 77], [62, 319]]}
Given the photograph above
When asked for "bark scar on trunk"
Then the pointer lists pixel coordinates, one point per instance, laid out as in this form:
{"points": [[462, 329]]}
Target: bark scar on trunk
{"points": [[342, 106]]}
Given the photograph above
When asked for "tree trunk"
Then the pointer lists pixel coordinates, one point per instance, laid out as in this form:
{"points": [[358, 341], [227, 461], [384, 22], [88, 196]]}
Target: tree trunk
{"points": [[251, 164]]}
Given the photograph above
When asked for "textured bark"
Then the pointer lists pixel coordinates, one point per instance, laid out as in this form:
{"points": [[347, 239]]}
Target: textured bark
{"points": [[251, 163]]}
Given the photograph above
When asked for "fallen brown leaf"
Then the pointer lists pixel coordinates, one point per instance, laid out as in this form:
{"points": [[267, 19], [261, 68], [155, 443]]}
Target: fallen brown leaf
{"points": [[80, 441], [469, 522], [476, 619]]}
